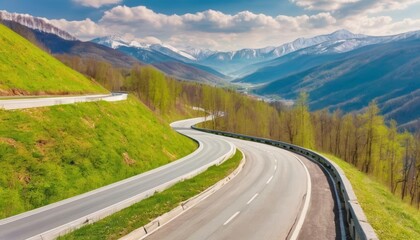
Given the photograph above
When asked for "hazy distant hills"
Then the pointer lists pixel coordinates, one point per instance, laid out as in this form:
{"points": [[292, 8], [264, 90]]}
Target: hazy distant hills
{"points": [[230, 63], [306, 58], [234, 63], [168, 59], [389, 73]]}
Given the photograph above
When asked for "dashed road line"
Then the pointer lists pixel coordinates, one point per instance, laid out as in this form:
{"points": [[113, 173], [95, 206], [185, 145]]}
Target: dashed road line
{"points": [[231, 218], [252, 199], [269, 180]]}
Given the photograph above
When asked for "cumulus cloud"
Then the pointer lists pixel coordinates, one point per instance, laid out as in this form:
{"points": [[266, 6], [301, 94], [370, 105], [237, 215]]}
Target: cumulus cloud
{"points": [[216, 30], [85, 29], [379, 26], [206, 21], [96, 3]]}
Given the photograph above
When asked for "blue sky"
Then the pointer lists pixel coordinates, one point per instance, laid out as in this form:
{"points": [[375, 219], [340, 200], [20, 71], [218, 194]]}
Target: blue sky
{"points": [[221, 24], [72, 10]]}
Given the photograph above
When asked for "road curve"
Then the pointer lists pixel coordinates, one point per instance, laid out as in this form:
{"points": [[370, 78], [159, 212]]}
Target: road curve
{"points": [[39, 221], [265, 201]]}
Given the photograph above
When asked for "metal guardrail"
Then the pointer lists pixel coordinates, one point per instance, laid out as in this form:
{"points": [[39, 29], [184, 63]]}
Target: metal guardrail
{"points": [[356, 224]]}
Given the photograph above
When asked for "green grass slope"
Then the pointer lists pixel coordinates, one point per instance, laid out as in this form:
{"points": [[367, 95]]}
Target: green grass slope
{"points": [[49, 154], [122, 223], [25, 69], [389, 216]]}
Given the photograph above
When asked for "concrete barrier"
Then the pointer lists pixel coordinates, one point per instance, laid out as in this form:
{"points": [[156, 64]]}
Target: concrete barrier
{"points": [[144, 231], [15, 103], [356, 224]]}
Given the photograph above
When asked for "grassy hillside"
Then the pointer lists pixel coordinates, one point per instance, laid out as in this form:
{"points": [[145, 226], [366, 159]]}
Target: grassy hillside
{"points": [[25, 69], [389, 216], [49, 154], [139, 214]]}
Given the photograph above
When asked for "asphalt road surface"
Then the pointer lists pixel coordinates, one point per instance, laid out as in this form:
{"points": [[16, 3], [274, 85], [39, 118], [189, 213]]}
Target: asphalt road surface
{"points": [[272, 198], [278, 195]]}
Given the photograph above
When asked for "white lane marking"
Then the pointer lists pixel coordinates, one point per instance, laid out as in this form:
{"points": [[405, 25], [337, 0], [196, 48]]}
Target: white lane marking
{"points": [[305, 208], [275, 167], [231, 218], [275, 160], [269, 180], [252, 199]]}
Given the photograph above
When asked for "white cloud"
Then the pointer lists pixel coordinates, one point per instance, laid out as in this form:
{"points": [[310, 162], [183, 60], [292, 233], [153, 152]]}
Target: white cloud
{"points": [[96, 3], [380, 26], [220, 31], [85, 29]]}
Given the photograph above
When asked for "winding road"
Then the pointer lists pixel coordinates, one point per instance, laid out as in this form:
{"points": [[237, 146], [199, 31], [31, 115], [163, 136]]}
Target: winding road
{"points": [[278, 195], [40, 221]]}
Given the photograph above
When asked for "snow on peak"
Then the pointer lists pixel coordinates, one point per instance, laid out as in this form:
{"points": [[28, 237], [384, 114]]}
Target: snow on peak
{"points": [[139, 45], [113, 41], [182, 53], [40, 24]]}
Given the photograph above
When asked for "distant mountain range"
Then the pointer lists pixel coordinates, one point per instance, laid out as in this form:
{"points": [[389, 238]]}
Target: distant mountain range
{"points": [[170, 60], [57, 41], [229, 63], [339, 70], [314, 55], [388, 73]]}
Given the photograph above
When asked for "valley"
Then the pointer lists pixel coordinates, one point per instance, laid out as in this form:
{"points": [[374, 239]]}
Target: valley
{"points": [[131, 120]]}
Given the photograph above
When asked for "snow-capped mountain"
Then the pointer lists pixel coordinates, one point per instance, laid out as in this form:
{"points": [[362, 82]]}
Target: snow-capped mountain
{"points": [[309, 57], [342, 46], [199, 54], [170, 51], [168, 59], [244, 61], [40, 24], [231, 61], [113, 41]]}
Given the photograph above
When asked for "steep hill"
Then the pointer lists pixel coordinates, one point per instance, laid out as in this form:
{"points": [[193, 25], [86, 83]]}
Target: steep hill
{"points": [[49, 154], [25, 69], [52, 153]]}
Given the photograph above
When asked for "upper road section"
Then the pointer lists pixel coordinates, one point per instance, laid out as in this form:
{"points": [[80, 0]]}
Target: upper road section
{"points": [[34, 102]]}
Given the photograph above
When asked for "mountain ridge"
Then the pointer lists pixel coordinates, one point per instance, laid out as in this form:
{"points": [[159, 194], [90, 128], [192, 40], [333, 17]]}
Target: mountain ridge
{"points": [[388, 73], [37, 23]]}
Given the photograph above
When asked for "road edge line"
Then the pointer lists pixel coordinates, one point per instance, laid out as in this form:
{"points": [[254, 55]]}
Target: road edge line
{"points": [[140, 235], [305, 209]]}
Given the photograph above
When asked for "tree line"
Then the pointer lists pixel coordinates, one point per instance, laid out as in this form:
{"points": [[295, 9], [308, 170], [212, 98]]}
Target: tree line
{"points": [[365, 139]]}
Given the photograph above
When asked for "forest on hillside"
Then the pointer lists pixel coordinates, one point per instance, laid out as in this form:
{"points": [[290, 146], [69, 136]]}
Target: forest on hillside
{"points": [[365, 140]]}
